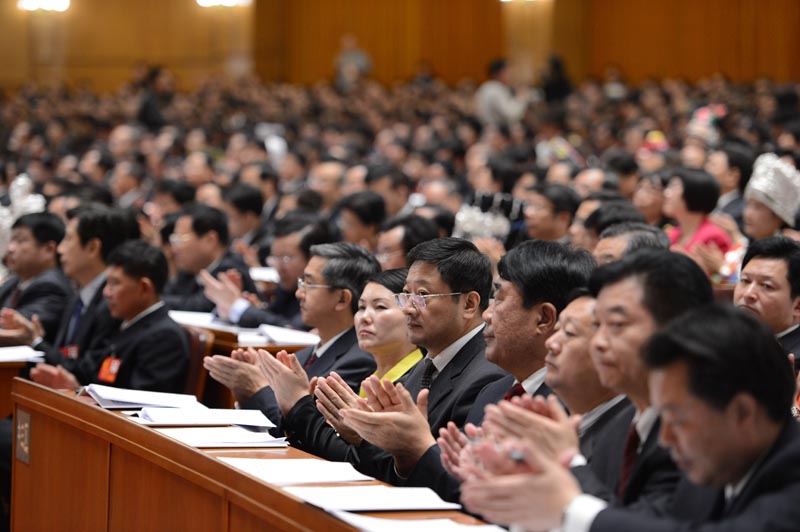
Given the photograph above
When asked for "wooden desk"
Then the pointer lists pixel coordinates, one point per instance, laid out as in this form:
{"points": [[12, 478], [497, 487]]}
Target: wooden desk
{"points": [[8, 370], [90, 469]]}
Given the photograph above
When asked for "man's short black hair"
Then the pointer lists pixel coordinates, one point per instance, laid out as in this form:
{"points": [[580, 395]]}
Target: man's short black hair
{"points": [[347, 266], [740, 157], [444, 219], [496, 66], [245, 198], [728, 351], [313, 230], [416, 230], [266, 173], [700, 189], [612, 213], [397, 179], [205, 219], [672, 283], [463, 268], [640, 236], [103, 223], [44, 226], [369, 207], [546, 272], [182, 192], [139, 259], [562, 197], [781, 248]]}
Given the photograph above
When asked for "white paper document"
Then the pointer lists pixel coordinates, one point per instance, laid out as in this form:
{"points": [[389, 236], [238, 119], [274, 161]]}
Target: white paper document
{"points": [[375, 498], [265, 274], [110, 397], [376, 524], [284, 336], [203, 417], [20, 353], [217, 437], [204, 320], [284, 472]]}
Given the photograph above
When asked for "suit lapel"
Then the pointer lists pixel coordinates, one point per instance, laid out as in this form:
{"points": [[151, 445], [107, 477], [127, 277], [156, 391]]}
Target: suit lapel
{"points": [[443, 385], [339, 348]]}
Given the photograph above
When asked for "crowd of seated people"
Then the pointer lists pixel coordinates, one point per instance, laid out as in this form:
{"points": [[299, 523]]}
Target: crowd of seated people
{"points": [[515, 309]]}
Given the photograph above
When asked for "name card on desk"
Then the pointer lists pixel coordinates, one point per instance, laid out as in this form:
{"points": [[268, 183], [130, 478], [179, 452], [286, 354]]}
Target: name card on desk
{"points": [[284, 472], [376, 498]]}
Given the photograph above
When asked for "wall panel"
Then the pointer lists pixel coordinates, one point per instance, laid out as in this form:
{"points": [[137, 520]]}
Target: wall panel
{"points": [[742, 39]]}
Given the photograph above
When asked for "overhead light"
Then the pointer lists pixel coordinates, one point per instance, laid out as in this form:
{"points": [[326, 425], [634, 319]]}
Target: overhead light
{"points": [[223, 3], [44, 5]]}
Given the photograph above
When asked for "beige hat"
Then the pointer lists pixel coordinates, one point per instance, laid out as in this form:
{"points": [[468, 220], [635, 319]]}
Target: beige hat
{"points": [[776, 184]]}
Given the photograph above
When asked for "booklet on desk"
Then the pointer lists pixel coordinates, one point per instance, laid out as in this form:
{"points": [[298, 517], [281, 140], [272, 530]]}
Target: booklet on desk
{"points": [[284, 336], [265, 334], [117, 398], [20, 353], [203, 417]]}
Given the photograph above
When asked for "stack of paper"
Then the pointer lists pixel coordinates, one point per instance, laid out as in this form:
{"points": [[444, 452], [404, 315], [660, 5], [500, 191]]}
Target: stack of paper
{"points": [[374, 524], [284, 472], [203, 417], [20, 353], [375, 498], [284, 336], [110, 397], [215, 437], [265, 274], [204, 320]]}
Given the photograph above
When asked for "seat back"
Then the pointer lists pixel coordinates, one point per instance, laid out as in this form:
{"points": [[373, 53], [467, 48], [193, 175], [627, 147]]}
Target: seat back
{"points": [[201, 342]]}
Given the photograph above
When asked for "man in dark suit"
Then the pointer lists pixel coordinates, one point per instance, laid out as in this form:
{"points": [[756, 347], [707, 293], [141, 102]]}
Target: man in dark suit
{"points": [[149, 351], [92, 233], [447, 289], [723, 388], [294, 235], [328, 292], [37, 286], [200, 242], [769, 287], [731, 165], [535, 280]]}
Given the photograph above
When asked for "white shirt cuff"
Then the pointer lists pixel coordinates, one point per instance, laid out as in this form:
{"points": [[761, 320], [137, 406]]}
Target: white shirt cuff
{"points": [[581, 512], [237, 309], [578, 460]]}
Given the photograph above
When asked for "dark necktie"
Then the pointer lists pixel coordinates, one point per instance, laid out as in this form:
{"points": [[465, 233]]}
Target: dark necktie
{"points": [[74, 322], [427, 375], [628, 459], [313, 358], [11, 302], [515, 391]]}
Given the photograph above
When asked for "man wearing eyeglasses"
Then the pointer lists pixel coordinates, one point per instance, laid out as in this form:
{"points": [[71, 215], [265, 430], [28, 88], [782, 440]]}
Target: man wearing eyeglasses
{"points": [[328, 293], [200, 242], [446, 291], [294, 235]]}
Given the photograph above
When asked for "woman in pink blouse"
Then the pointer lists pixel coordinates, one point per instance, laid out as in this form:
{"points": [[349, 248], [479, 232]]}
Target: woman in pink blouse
{"points": [[689, 198]]}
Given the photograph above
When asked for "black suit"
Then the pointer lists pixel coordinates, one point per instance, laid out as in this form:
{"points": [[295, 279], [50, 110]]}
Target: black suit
{"points": [[153, 354], [652, 480], [768, 501], [791, 344], [46, 296], [450, 398], [735, 209], [429, 471], [95, 328], [183, 292], [344, 357], [602, 428]]}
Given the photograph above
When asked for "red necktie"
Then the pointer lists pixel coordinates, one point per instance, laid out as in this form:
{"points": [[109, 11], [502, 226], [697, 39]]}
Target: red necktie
{"points": [[628, 459], [313, 358], [515, 391]]}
